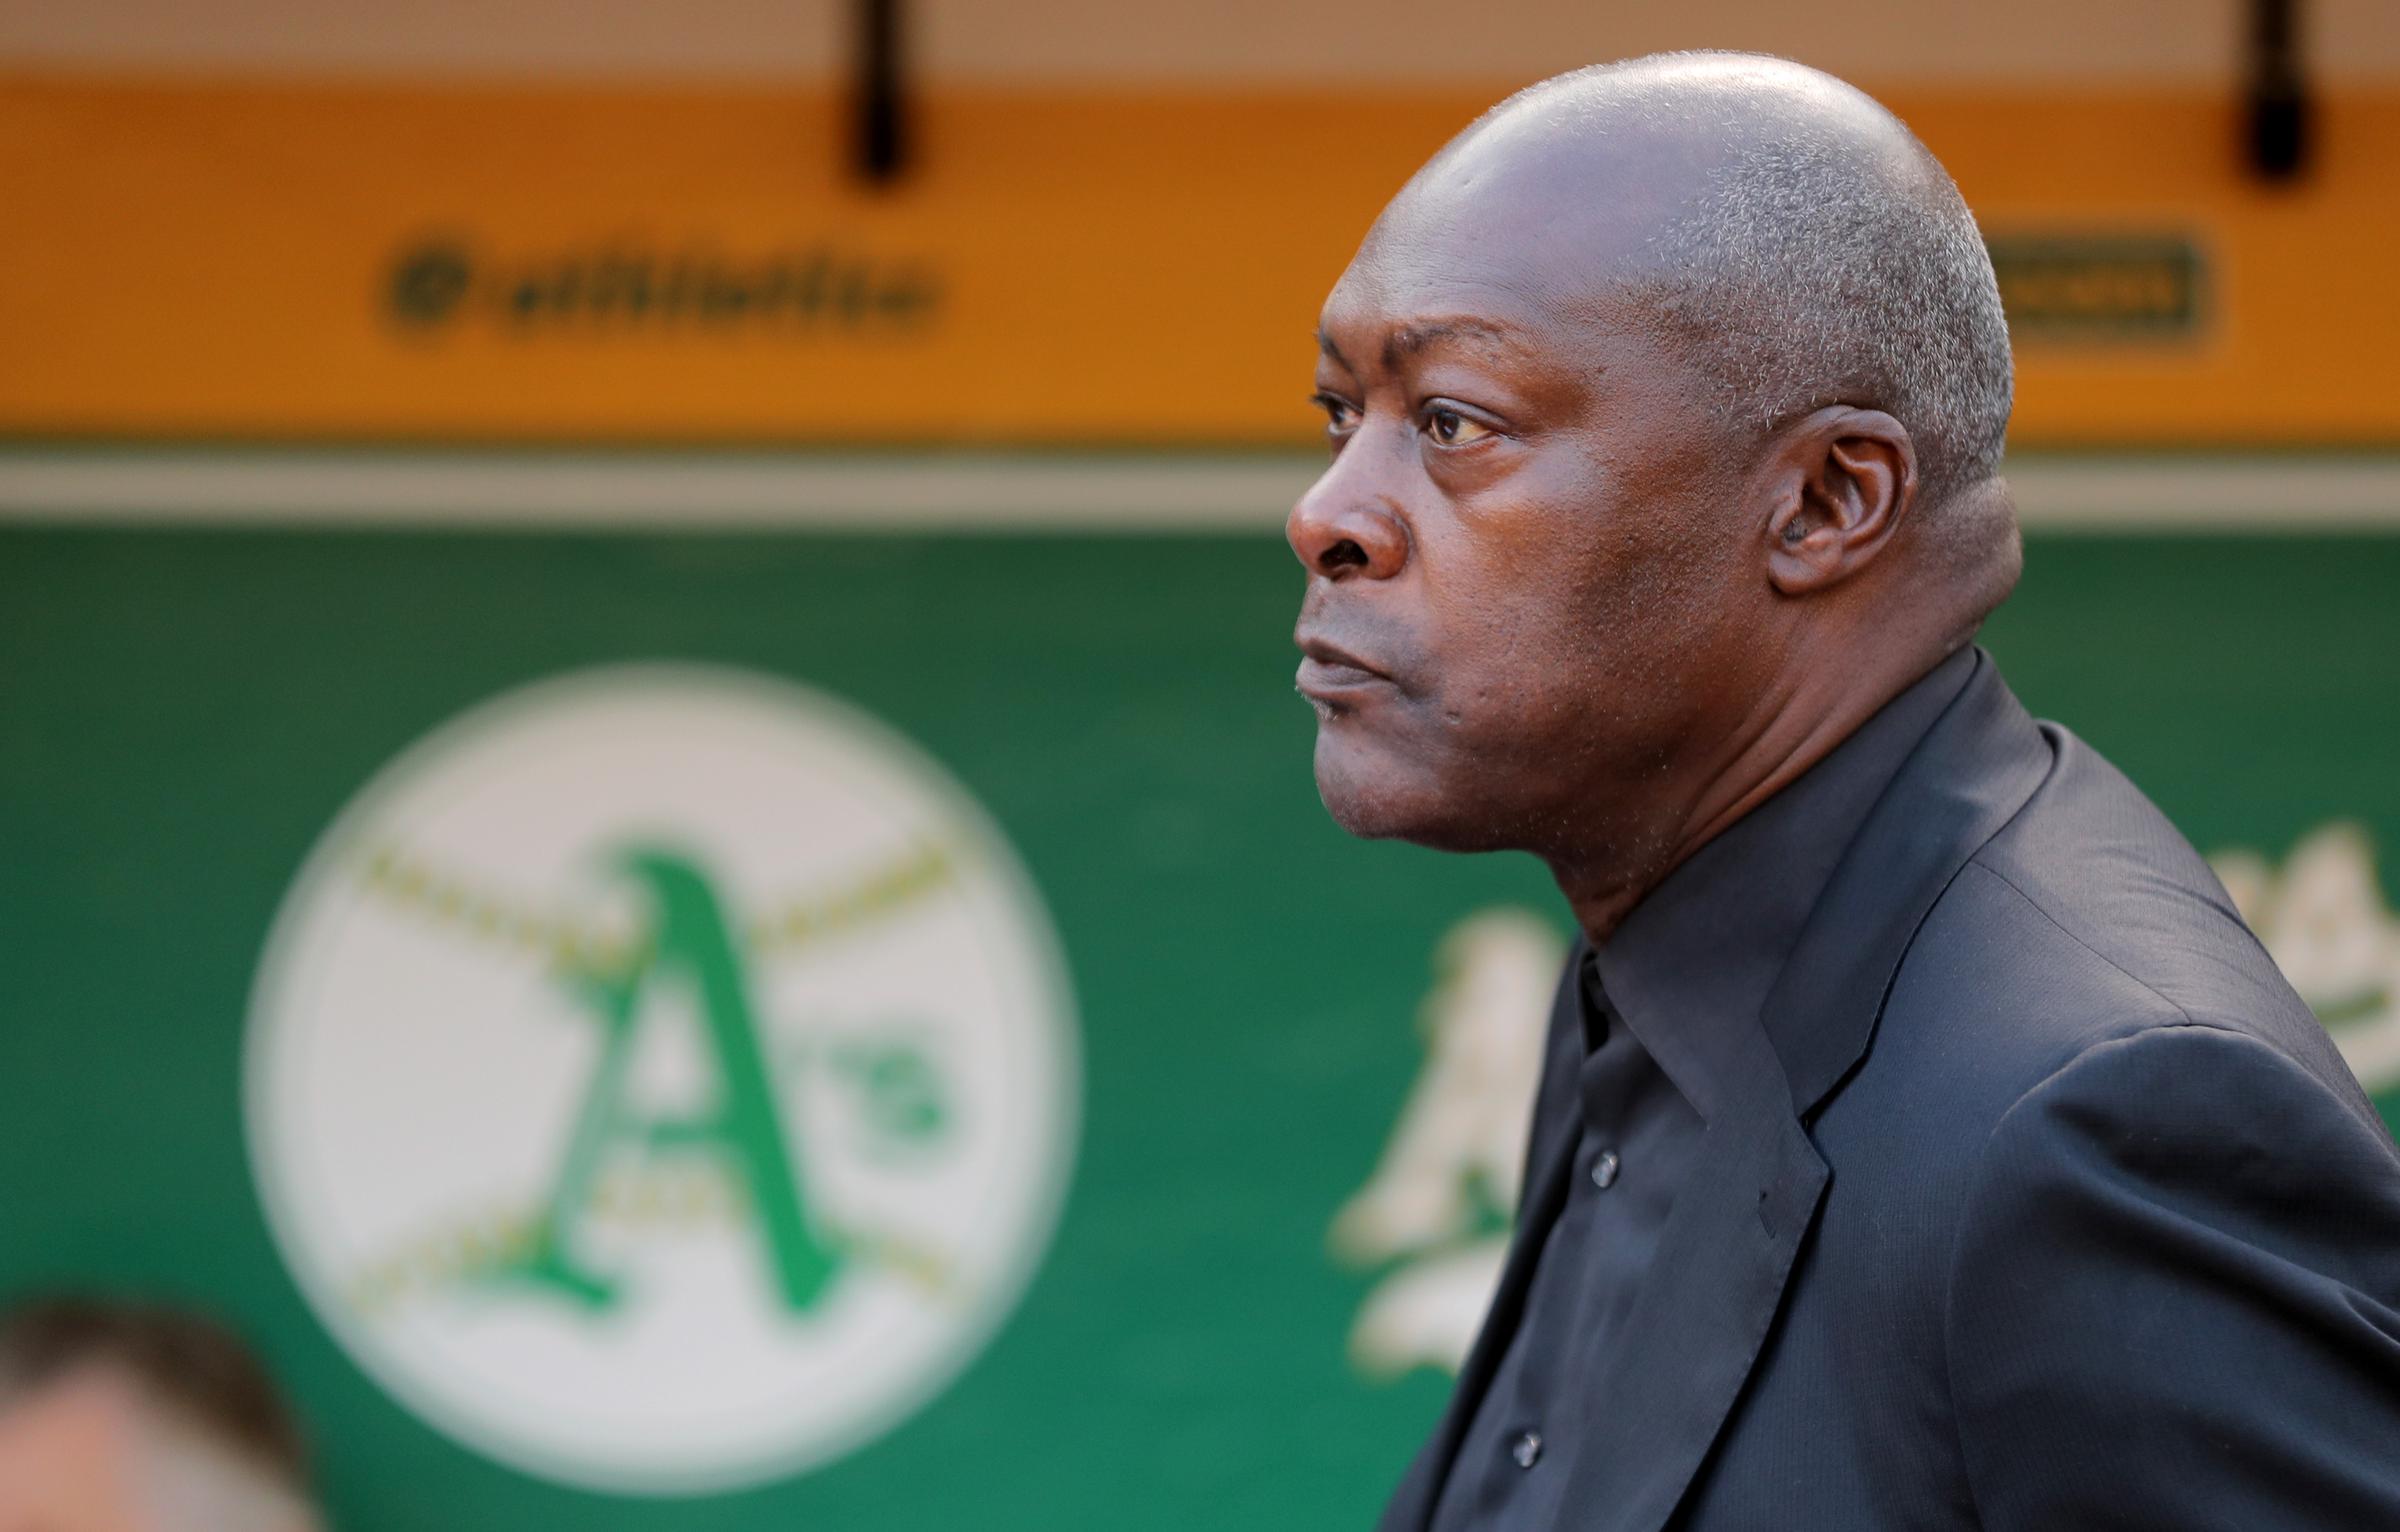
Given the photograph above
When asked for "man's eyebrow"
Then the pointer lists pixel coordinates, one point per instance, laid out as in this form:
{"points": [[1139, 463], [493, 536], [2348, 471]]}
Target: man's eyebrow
{"points": [[1411, 339]]}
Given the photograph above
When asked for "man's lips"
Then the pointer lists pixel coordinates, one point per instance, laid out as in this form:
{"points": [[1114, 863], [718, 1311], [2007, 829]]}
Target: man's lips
{"points": [[1330, 673]]}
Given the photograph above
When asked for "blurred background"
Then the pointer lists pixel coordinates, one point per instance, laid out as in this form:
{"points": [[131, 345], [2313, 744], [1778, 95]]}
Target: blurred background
{"points": [[652, 827]]}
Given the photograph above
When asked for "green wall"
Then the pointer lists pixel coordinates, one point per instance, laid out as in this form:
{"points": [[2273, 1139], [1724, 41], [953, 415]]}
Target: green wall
{"points": [[181, 713]]}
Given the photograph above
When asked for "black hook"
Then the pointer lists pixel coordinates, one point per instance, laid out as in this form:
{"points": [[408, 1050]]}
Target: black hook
{"points": [[2278, 108], [882, 121]]}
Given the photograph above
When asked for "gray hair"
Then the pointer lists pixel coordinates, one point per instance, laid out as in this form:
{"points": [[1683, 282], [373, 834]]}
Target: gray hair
{"points": [[1815, 270]]}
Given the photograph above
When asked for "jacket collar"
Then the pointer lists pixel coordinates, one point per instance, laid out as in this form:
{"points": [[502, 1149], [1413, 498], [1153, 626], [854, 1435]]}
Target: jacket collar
{"points": [[1968, 777], [1692, 966]]}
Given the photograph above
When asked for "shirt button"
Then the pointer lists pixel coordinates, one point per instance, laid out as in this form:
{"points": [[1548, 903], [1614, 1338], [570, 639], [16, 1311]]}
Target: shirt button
{"points": [[1527, 1449], [1604, 1169]]}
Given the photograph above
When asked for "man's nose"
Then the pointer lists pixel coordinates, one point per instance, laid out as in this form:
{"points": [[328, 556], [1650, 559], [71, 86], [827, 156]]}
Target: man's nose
{"points": [[1338, 530]]}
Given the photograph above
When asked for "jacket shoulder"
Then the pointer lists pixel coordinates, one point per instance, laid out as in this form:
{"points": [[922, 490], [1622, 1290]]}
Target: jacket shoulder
{"points": [[2086, 919]]}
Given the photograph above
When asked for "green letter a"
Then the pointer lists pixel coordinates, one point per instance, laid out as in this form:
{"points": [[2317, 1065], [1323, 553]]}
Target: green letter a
{"points": [[691, 946]]}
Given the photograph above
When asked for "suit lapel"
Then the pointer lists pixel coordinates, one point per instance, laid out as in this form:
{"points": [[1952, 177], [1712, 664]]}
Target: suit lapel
{"points": [[1703, 1310], [1725, 1258]]}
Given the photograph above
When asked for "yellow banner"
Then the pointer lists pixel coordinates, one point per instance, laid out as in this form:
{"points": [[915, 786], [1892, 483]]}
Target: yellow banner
{"points": [[605, 263]]}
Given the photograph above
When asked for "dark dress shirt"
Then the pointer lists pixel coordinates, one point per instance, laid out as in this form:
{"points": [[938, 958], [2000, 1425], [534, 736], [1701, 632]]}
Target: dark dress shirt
{"points": [[1693, 962], [2027, 1197]]}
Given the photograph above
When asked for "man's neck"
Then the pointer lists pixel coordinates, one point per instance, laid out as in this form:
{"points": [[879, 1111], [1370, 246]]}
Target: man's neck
{"points": [[1790, 726]]}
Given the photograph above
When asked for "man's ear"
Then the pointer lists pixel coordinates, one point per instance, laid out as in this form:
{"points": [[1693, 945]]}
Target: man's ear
{"points": [[1845, 479]]}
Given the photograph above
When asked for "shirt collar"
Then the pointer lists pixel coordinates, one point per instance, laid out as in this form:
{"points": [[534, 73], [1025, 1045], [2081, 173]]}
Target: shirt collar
{"points": [[1690, 968]]}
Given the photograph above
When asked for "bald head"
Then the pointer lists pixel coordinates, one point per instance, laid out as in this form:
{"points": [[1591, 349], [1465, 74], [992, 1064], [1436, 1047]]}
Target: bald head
{"points": [[1787, 235], [1663, 410]]}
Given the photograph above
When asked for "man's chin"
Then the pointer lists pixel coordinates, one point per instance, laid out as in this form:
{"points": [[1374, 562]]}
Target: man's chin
{"points": [[1376, 797]]}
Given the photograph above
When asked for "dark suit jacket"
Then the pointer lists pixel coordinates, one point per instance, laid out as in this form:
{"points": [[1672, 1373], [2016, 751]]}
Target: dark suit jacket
{"points": [[2041, 1204]]}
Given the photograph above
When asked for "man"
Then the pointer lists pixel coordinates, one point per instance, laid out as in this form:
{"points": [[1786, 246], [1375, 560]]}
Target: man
{"points": [[125, 1418], [1923, 1142]]}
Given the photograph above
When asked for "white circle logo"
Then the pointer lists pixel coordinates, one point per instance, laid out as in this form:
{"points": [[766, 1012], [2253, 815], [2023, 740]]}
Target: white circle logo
{"points": [[662, 1079]]}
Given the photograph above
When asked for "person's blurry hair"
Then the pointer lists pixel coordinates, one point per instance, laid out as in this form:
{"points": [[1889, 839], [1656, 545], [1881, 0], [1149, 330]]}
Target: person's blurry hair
{"points": [[188, 1366]]}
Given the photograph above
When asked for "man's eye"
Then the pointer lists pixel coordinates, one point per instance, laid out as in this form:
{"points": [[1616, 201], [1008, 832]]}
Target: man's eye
{"points": [[1340, 419], [1452, 429]]}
